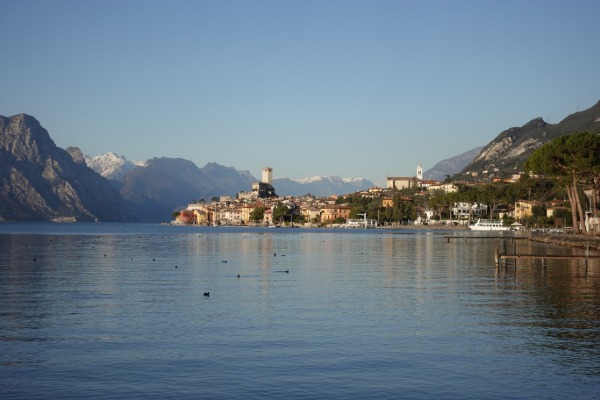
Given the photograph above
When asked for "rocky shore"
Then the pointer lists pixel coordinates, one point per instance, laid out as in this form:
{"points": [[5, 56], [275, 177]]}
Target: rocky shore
{"points": [[578, 241]]}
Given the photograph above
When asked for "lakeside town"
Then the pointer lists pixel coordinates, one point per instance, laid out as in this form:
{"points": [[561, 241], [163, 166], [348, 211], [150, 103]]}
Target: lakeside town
{"points": [[262, 207]]}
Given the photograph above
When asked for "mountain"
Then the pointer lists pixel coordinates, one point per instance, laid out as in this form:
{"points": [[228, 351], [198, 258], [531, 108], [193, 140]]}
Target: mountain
{"points": [[163, 185], [506, 154], [451, 166], [111, 166], [320, 186], [40, 181], [227, 180]]}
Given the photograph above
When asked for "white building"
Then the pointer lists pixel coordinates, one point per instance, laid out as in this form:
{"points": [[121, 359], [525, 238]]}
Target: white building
{"points": [[465, 211]]}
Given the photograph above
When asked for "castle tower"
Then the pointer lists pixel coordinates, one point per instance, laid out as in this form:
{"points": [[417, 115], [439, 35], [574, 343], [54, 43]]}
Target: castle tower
{"points": [[420, 172], [267, 175]]}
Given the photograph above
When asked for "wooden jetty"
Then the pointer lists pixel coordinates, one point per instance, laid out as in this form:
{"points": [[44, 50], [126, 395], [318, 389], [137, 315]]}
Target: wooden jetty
{"points": [[523, 256], [486, 237], [500, 257], [504, 255]]}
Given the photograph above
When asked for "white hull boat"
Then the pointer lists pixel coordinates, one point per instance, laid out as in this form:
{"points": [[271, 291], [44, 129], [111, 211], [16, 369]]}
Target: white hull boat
{"points": [[489, 225]]}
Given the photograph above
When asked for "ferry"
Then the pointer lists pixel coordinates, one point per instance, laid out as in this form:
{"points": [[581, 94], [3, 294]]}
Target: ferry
{"points": [[489, 225]]}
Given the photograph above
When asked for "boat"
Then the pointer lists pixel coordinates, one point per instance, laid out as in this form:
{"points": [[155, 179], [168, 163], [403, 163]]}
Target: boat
{"points": [[489, 225]]}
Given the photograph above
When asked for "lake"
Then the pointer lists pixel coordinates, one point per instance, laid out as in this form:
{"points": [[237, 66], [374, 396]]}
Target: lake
{"points": [[106, 311]]}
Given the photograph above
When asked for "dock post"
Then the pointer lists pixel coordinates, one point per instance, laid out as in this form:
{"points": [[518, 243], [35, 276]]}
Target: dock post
{"points": [[587, 256], [505, 252], [497, 259], [515, 252]]}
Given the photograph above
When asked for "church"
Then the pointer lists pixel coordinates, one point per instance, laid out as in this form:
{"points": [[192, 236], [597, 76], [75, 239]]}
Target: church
{"points": [[404, 182]]}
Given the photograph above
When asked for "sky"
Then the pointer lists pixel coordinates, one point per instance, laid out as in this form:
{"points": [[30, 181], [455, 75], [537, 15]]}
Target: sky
{"points": [[333, 88]]}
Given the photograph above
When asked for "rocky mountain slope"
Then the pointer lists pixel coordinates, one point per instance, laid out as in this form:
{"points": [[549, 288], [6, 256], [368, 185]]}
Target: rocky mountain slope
{"points": [[40, 181], [506, 154]]}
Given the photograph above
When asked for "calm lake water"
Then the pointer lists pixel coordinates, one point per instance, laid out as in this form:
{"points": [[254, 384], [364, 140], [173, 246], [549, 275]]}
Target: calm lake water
{"points": [[107, 311]]}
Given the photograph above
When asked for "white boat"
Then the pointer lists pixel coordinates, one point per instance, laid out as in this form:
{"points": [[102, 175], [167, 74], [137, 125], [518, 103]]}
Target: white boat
{"points": [[489, 225]]}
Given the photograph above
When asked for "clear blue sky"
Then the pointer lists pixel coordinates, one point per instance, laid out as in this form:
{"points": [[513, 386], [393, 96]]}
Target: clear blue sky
{"points": [[348, 88]]}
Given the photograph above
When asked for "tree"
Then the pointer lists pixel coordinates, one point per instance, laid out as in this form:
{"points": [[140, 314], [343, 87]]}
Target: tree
{"points": [[257, 214], [573, 161], [281, 212]]}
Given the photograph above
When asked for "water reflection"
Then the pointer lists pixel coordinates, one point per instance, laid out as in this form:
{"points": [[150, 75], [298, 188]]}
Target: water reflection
{"points": [[355, 310]]}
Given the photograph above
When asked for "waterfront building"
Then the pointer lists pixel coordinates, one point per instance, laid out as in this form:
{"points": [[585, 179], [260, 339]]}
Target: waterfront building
{"points": [[524, 208], [331, 213]]}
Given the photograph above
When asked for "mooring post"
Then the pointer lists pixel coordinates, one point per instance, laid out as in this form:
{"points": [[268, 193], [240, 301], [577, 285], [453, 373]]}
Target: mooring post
{"points": [[515, 252], [587, 256], [497, 259]]}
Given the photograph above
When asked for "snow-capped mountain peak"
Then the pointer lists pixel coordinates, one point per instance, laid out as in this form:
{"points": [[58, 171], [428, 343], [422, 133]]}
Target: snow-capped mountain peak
{"points": [[111, 165], [330, 179], [320, 185]]}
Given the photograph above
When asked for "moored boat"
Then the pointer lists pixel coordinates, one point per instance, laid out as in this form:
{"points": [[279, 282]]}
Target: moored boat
{"points": [[489, 225]]}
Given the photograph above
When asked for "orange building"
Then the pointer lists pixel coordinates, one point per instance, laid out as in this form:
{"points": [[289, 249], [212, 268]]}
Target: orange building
{"points": [[330, 213]]}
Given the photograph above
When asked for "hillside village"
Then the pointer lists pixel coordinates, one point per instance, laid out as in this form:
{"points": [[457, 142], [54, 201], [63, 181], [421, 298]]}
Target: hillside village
{"points": [[262, 207], [65, 188]]}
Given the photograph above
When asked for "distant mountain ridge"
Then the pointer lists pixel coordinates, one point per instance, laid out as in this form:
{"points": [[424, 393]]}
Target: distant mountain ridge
{"points": [[506, 154], [321, 186], [164, 185], [153, 190], [40, 181], [451, 166]]}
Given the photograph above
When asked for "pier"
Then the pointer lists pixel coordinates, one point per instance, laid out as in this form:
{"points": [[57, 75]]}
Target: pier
{"points": [[499, 257], [487, 237], [504, 255]]}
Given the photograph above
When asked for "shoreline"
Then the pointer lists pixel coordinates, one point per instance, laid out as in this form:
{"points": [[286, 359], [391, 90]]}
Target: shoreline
{"points": [[576, 241], [426, 227]]}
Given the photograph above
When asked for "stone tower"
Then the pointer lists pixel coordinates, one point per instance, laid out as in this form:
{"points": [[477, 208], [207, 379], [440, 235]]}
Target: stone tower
{"points": [[267, 175], [420, 172]]}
